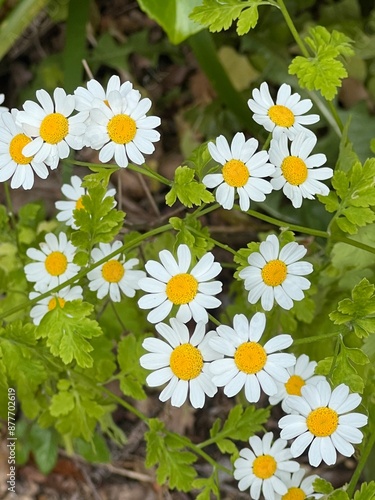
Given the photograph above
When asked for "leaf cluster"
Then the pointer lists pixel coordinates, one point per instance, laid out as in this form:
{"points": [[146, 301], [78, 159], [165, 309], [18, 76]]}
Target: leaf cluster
{"points": [[187, 190], [218, 15], [353, 196], [324, 70]]}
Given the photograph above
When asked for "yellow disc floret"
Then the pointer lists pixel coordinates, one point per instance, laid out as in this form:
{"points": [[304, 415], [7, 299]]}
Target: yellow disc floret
{"points": [[294, 494], [281, 115], [16, 146], [54, 128], [264, 466], [53, 303], [113, 271], [294, 170], [56, 263], [322, 422], [235, 173], [79, 204], [274, 272], [186, 362], [294, 384], [121, 129], [250, 357], [182, 288]]}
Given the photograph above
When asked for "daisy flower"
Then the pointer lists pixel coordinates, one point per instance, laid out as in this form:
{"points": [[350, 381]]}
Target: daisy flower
{"points": [[85, 97], [172, 284], [243, 170], [182, 362], [13, 163], [324, 421], [276, 275], [264, 468], [300, 374], [121, 129], [54, 262], [248, 363], [114, 276], [74, 193], [299, 487], [296, 173], [47, 304], [286, 116], [53, 129]]}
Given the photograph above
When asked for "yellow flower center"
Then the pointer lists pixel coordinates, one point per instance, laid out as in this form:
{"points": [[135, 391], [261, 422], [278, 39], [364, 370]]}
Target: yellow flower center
{"points": [[16, 146], [121, 129], [54, 128], [79, 204], [113, 271], [264, 466], [281, 115], [53, 302], [294, 494], [294, 170], [274, 272], [182, 288], [56, 263], [235, 173], [186, 362], [250, 357], [294, 384], [322, 422]]}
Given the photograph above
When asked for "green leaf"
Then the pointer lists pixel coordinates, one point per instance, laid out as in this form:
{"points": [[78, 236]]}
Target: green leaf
{"points": [[218, 15], [239, 425], [342, 369], [98, 221], [209, 486], [322, 486], [67, 330], [359, 311], [167, 451], [20, 364], [132, 376], [191, 233], [367, 491], [173, 17], [94, 452], [323, 71], [187, 190]]}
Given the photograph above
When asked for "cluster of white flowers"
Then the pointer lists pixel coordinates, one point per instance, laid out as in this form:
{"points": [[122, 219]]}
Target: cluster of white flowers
{"points": [[193, 366], [112, 120], [290, 168]]}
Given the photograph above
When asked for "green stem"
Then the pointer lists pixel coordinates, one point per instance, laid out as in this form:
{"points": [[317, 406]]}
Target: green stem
{"points": [[293, 227], [336, 116], [83, 272], [125, 405], [316, 338], [292, 28], [357, 473], [334, 358], [215, 242]]}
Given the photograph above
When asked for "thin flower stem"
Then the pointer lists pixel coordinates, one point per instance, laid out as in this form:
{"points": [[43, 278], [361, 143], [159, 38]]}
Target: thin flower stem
{"points": [[334, 358], [292, 28], [84, 272], [336, 116], [357, 473], [214, 320], [317, 338], [215, 242], [125, 405]]}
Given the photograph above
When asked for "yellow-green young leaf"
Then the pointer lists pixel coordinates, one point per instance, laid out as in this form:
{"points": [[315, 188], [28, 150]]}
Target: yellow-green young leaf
{"points": [[132, 376], [248, 19], [367, 492], [67, 330], [323, 71], [20, 365], [322, 486], [217, 15], [167, 452], [99, 178], [191, 232], [209, 486], [358, 312], [187, 190]]}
